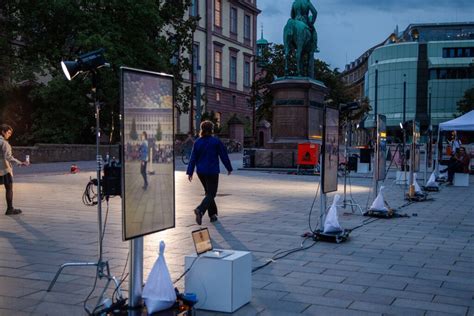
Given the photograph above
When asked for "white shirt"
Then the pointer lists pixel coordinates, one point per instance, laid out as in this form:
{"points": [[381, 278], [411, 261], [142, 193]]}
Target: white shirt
{"points": [[6, 157], [456, 144]]}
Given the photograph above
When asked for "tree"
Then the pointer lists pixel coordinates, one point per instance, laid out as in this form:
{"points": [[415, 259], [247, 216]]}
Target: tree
{"points": [[159, 133], [133, 130], [275, 66], [144, 34], [274, 57], [466, 104]]}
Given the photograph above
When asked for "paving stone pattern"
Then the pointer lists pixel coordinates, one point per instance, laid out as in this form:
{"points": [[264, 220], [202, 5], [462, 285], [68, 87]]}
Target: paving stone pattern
{"points": [[421, 265]]}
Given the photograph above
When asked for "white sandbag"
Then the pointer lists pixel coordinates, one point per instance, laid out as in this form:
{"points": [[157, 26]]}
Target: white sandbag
{"points": [[331, 224], [432, 181], [379, 203], [417, 186], [159, 293]]}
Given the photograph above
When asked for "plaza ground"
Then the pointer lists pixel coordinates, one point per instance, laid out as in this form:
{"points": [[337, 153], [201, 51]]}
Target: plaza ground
{"points": [[421, 265]]}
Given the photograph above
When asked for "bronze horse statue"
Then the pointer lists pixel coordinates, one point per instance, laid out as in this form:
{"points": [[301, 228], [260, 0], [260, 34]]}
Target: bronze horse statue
{"points": [[299, 35]]}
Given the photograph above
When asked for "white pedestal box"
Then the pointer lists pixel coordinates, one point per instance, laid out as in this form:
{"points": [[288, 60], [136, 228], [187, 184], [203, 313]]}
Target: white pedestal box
{"points": [[362, 167], [222, 285], [461, 179]]}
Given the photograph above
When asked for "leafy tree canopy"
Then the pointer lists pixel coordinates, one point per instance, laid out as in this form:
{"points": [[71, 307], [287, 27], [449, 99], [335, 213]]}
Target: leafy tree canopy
{"points": [[466, 104], [274, 58], [138, 34]]}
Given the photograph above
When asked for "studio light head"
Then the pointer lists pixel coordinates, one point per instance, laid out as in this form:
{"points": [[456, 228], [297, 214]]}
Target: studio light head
{"points": [[84, 63]]}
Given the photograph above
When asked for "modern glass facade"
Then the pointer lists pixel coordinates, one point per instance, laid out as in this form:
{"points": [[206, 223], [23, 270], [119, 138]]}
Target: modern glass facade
{"points": [[428, 67]]}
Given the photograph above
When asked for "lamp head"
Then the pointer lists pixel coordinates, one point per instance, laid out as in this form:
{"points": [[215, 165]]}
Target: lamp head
{"points": [[84, 63], [401, 125]]}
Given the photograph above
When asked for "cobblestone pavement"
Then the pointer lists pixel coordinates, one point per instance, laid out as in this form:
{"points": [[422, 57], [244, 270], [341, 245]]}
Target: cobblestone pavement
{"points": [[421, 265]]}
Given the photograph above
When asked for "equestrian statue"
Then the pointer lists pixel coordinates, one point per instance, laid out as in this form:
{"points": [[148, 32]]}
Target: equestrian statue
{"points": [[300, 35]]}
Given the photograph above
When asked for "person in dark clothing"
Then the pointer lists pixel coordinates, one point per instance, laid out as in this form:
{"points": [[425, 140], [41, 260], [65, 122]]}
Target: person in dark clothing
{"points": [[205, 158], [458, 163]]}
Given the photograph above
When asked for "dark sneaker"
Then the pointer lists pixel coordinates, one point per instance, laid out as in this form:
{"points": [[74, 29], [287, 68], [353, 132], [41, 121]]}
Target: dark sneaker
{"points": [[13, 211], [213, 218], [198, 216]]}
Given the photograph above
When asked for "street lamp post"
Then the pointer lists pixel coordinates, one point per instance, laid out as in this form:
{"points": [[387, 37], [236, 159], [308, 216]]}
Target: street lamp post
{"points": [[404, 118], [430, 132], [376, 90]]}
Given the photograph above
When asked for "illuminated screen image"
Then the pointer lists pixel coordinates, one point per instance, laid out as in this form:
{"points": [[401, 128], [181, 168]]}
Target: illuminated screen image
{"points": [[331, 150], [147, 137], [202, 241]]}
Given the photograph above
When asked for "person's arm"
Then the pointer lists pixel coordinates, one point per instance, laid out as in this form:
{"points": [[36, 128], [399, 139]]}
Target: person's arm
{"points": [[7, 152], [222, 151], [192, 163]]}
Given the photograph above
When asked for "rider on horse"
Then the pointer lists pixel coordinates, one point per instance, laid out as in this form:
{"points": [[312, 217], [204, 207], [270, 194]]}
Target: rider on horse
{"points": [[300, 11]]}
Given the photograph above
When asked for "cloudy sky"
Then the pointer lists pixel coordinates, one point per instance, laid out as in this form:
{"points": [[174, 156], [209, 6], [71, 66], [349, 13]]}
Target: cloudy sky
{"points": [[347, 28]]}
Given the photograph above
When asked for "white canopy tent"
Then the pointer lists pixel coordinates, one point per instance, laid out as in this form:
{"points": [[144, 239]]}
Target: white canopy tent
{"points": [[462, 123]]}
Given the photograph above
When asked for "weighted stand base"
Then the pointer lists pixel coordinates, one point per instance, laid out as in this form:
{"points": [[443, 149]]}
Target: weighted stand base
{"points": [[431, 189], [103, 271], [391, 213], [331, 237], [419, 197]]}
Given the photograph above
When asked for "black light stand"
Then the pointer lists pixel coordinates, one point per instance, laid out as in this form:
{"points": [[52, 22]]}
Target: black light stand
{"points": [[93, 60], [345, 201]]}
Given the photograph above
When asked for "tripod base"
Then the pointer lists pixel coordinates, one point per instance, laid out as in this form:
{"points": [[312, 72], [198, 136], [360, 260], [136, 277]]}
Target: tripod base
{"points": [[391, 213], [431, 189], [352, 204], [418, 197], [103, 271], [331, 237]]}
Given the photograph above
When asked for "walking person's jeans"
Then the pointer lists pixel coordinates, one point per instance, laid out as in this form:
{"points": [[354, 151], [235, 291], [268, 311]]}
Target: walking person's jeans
{"points": [[210, 183], [143, 172]]}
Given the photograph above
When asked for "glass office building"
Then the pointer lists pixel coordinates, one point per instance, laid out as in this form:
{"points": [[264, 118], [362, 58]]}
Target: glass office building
{"points": [[421, 73]]}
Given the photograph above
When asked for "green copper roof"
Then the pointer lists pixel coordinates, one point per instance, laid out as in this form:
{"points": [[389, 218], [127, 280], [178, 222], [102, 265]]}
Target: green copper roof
{"points": [[262, 41]]}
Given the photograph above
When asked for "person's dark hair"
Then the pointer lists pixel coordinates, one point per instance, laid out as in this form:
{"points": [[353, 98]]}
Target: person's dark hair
{"points": [[144, 134], [5, 128], [207, 127]]}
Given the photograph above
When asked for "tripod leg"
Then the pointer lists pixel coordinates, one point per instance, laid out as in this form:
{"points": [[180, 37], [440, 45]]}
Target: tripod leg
{"points": [[65, 265]]}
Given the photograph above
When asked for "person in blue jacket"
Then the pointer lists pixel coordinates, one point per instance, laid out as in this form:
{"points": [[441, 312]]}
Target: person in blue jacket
{"points": [[205, 158], [143, 150]]}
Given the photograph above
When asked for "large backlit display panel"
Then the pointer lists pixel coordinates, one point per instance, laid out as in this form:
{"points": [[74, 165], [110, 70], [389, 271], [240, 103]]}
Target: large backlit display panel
{"points": [[331, 150], [147, 137]]}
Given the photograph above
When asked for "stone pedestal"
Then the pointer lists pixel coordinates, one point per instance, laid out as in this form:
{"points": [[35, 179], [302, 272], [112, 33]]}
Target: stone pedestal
{"points": [[297, 118], [297, 112]]}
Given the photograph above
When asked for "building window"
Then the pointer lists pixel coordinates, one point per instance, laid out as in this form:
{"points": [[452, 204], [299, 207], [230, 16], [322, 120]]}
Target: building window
{"points": [[234, 100], [452, 73], [247, 27], [233, 69], [218, 96], [233, 20], [247, 74], [218, 13], [458, 52], [218, 65], [194, 8]]}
